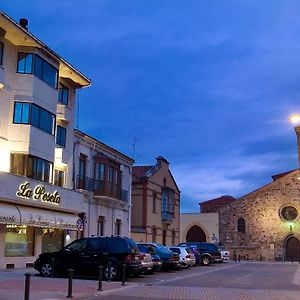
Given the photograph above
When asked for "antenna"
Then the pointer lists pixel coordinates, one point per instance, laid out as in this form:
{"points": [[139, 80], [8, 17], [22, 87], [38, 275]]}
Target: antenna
{"points": [[133, 146], [78, 102]]}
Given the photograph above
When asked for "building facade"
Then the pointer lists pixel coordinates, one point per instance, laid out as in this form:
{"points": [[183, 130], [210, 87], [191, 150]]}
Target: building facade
{"points": [[104, 176], [39, 209], [264, 224], [155, 204]]}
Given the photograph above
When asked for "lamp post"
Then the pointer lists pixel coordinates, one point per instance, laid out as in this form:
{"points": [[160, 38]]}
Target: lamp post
{"points": [[295, 120]]}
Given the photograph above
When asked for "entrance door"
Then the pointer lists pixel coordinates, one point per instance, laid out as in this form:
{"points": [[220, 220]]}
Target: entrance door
{"points": [[196, 234], [292, 249]]}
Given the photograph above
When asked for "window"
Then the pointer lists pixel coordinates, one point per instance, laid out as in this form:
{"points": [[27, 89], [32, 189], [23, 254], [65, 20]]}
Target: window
{"points": [[99, 176], [154, 202], [1, 53], [25, 63], [241, 225], [19, 241], [31, 166], [29, 63], [118, 227], [61, 133], [59, 178], [167, 204], [153, 231], [100, 231], [29, 113], [63, 94]]}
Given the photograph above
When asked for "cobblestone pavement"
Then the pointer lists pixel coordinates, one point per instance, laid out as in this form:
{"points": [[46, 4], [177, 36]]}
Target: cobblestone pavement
{"points": [[226, 282]]}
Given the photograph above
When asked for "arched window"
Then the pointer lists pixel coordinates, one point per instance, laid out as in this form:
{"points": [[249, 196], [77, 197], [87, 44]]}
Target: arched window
{"points": [[153, 234], [241, 225]]}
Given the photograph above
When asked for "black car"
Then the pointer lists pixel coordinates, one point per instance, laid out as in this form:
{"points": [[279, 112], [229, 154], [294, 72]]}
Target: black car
{"points": [[208, 252], [85, 256], [170, 260]]}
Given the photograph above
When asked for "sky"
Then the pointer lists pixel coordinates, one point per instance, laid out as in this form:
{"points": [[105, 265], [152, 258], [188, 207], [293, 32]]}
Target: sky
{"points": [[209, 85]]}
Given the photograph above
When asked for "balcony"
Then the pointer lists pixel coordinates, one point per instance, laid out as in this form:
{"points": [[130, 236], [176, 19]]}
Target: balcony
{"points": [[167, 217], [101, 188]]}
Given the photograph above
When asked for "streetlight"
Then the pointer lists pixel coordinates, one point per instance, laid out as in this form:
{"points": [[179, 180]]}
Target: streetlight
{"points": [[295, 120]]}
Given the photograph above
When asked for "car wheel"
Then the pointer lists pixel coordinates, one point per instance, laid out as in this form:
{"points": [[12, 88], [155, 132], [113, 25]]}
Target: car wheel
{"points": [[205, 260], [47, 269], [114, 272]]}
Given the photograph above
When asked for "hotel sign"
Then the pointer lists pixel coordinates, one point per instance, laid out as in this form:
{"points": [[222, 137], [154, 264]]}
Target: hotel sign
{"points": [[39, 192]]}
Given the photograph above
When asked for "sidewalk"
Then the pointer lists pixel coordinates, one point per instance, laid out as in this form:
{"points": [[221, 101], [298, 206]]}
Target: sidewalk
{"points": [[12, 286]]}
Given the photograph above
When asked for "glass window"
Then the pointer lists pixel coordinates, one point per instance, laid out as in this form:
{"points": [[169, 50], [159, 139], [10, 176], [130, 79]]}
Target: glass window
{"points": [[25, 63], [28, 113], [17, 163], [19, 241], [59, 178], [52, 239], [101, 220], [63, 94], [38, 66], [241, 225], [61, 136], [1, 53], [21, 113], [118, 227]]}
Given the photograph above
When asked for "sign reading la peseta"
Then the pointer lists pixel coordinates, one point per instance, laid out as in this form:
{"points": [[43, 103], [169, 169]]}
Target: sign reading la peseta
{"points": [[38, 192]]}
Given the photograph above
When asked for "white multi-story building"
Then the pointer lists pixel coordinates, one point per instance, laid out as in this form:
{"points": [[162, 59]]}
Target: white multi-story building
{"points": [[39, 204], [104, 175]]}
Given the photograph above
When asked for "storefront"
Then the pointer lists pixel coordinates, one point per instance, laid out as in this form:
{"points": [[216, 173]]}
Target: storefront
{"points": [[26, 231]]}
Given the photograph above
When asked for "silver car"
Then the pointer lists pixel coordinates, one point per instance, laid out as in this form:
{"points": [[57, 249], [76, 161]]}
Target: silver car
{"points": [[186, 256]]}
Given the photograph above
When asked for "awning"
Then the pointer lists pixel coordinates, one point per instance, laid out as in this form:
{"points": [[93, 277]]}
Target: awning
{"points": [[66, 221], [9, 214], [31, 216], [36, 217]]}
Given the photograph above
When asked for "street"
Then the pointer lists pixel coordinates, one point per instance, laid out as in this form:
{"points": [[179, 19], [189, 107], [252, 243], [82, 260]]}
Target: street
{"points": [[245, 280]]}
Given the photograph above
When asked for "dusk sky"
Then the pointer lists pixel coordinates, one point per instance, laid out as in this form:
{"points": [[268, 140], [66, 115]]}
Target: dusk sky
{"points": [[209, 85]]}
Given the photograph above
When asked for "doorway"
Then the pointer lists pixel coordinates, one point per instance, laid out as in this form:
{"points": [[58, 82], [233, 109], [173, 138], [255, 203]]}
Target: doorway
{"points": [[196, 234], [292, 249]]}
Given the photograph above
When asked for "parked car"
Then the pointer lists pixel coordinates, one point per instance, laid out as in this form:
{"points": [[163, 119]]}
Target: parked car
{"points": [[225, 255], [155, 258], [147, 263], [186, 256], [208, 252], [169, 259], [85, 255]]}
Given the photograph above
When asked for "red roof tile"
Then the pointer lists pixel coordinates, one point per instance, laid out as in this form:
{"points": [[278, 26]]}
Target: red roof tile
{"points": [[139, 172], [223, 200]]}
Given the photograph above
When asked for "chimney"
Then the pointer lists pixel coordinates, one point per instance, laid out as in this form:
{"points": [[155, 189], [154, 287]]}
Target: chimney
{"points": [[297, 130], [24, 23]]}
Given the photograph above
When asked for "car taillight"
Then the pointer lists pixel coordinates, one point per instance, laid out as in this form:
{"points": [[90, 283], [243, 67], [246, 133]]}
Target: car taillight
{"points": [[128, 258], [142, 256], [174, 258]]}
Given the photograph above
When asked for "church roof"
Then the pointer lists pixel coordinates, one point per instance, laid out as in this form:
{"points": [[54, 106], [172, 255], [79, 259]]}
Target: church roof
{"points": [[223, 200]]}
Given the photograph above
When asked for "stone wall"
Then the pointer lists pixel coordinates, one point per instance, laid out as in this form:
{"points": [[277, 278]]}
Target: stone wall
{"points": [[265, 230]]}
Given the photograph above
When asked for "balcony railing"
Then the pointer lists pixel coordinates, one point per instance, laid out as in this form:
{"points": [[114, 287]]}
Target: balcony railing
{"points": [[101, 188]]}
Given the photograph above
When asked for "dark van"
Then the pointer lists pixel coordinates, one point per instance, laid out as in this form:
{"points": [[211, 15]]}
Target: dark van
{"points": [[85, 256]]}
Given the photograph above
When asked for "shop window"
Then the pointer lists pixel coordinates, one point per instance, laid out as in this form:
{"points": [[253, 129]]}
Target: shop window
{"points": [[63, 94], [59, 178], [241, 225], [19, 241], [52, 239], [61, 134]]}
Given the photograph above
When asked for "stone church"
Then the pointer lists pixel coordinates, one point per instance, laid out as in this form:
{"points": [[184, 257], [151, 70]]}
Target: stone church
{"points": [[265, 224]]}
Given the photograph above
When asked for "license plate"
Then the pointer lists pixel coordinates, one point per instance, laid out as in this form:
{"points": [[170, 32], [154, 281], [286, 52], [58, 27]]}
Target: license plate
{"points": [[136, 258]]}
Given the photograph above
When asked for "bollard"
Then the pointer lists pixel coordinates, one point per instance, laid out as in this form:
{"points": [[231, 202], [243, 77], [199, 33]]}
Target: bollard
{"points": [[123, 274], [100, 268], [239, 257], [260, 257], [247, 257], [70, 283], [27, 286], [109, 271]]}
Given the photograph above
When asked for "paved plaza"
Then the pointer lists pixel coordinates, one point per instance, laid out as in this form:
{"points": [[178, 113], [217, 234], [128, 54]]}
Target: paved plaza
{"points": [[230, 281]]}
